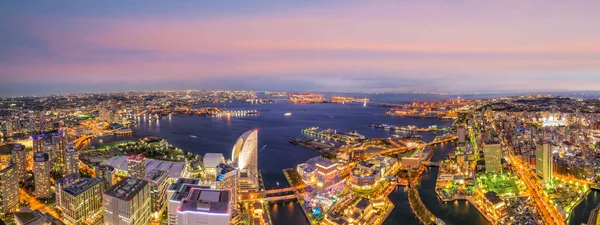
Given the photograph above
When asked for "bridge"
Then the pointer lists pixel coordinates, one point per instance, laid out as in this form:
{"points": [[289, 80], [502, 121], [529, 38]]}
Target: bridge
{"points": [[399, 148], [79, 142], [264, 195]]}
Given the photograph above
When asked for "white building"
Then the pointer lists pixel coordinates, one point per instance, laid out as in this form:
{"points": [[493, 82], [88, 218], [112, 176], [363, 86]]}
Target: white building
{"points": [[205, 207], [245, 159]]}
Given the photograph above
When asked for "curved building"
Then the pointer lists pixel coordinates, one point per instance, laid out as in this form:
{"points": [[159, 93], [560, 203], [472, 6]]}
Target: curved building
{"points": [[245, 158]]}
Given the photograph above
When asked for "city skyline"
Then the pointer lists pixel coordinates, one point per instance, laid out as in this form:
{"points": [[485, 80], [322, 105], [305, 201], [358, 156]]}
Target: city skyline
{"points": [[467, 46]]}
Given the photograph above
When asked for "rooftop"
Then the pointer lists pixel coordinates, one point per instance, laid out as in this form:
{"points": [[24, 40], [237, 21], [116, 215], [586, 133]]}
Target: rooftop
{"points": [[184, 191], [206, 200], [156, 175], [40, 157], [212, 160], [68, 179], [81, 185], [70, 150], [19, 147], [181, 181], [126, 189], [493, 197], [173, 168]]}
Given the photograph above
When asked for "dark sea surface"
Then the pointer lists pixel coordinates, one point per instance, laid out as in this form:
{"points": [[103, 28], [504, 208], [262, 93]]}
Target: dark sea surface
{"points": [[218, 134]]}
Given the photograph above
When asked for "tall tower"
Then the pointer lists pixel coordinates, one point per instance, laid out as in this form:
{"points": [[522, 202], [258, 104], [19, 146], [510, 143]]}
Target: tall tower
{"points": [[543, 164], [71, 158], [41, 172], [19, 158], [245, 159]]}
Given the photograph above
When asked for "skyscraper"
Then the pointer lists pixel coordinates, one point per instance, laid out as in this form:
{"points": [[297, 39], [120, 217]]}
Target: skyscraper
{"points": [[9, 188], [136, 166], [19, 158], [41, 172], [59, 143], [71, 159], [38, 143], [127, 203], [245, 159], [106, 173], [158, 180], [82, 200], [543, 162]]}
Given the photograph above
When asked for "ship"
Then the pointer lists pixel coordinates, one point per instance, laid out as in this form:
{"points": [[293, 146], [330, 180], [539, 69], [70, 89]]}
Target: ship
{"points": [[287, 114]]}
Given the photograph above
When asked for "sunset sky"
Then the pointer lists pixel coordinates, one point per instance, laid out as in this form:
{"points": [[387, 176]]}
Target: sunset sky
{"points": [[375, 46]]}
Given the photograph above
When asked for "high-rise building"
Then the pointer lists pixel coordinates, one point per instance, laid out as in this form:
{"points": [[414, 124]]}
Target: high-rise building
{"points": [[229, 182], [9, 188], [41, 173], [19, 158], [82, 201], [245, 159], [136, 166], [71, 159], [158, 191], [106, 173], [61, 183], [461, 134], [492, 154], [205, 206], [38, 143], [60, 144], [543, 162], [127, 203], [176, 193]]}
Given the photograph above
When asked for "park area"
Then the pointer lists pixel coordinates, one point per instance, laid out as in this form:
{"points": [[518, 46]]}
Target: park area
{"points": [[504, 184]]}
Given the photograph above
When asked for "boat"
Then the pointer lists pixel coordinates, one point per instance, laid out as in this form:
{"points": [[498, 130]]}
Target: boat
{"points": [[287, 114], [193, 136], [294, 140]]}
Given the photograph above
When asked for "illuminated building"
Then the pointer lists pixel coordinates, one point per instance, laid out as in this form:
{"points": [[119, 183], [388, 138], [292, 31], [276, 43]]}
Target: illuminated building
{"points": [[61, 183], [307, 172], [38, 143], [492, 154], [177, 192], [211, 162], [411, 163], [158, 190], [245, 159], [41, 173], [326, 171], [491, 204], [106, 173], [229, 182], [552, 122], [9, 188], [19, 157], [136, 166], [59, 146], [205, 206], [71, 159], [368, 173], [82, 201], [174, 196], [127, 203], [27, 217], [543, 162]]}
